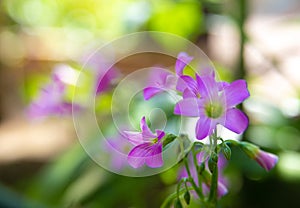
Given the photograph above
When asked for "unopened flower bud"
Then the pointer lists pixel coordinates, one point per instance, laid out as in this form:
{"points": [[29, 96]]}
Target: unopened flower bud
{"points": [[226, 151], [264, 159], [187, 197], [212, 162]]}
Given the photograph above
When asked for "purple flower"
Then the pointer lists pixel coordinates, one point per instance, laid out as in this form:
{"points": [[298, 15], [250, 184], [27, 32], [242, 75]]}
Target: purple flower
{"points": [[214, 103], [162, 80], [266, 160], [51, 101], [183, 59], [104, 80], [104, 72], [148, 147], [116, 148]]}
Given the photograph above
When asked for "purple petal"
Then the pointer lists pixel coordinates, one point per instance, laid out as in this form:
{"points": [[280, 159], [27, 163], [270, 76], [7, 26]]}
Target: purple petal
{"points": [[266, 160], [104, 80], [171, 81], [181, 85], [146, 132], [149, 92], [137, 156], [160, 134], [222, 189], [222, 85], [204, 127], [187, 93], [57, 83], [236, 120], [236, 93], [134, 137], [207, 86], [158, 76], [189, 83], [154, 159], [182, 60], [207, 71], [189, 107], [63, 108]]}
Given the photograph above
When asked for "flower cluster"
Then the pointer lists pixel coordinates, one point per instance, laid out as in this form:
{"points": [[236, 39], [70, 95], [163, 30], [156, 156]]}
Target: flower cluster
{"points": [[202, 96], [51, 100], [214, 103]]}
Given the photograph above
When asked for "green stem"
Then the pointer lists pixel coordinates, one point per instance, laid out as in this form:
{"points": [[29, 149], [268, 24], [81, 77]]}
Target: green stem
{"points": [[213, 195], [242, 4], [190, 178], [171, 197], [198, 174], [178, 187]]}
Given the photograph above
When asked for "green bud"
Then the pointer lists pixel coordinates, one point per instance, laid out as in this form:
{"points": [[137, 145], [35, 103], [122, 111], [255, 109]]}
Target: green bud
{"points": [[201, 168], [168, 139], [187, 197], [212, 162], [214, 157], [251, 150], [177, 204], [226, 151]]}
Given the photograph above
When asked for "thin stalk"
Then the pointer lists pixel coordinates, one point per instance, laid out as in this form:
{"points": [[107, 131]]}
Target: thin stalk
{"points": [[171, 197], [214, 179], [191, 180], [198, 175]]}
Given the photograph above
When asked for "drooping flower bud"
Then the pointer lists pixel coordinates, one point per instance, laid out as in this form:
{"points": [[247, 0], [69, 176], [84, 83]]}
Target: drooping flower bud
{"points": [[264, 159]]}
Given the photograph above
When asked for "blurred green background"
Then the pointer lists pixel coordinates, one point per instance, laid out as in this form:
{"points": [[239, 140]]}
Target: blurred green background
{"points": [[42, 163]]}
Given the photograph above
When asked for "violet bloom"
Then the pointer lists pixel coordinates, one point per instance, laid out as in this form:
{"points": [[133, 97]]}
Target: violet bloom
{"points": [[117, 148], [50, 101], [162, 80], [104, 80], [214, 106], [266, 160], [148, 147], [103, 70], [183, 59]]}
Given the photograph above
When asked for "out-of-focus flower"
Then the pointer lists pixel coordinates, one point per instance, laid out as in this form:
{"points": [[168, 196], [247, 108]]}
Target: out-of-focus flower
{"points": [[50, 100], [117, 148], [264, 159], [222, 181], [148, 147], [214, 106], [103, 70], [105, 79], [162, 80]]}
